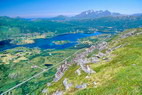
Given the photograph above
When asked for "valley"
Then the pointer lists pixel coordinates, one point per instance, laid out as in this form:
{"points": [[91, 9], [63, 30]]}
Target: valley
{"points": [[84, 54]]}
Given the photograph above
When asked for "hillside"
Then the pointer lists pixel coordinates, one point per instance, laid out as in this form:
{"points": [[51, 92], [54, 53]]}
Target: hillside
{"points": [[114, 68], [20, 29]]}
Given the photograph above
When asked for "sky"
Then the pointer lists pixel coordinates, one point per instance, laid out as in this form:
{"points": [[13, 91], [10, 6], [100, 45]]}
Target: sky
{"points": [[51, 8]]}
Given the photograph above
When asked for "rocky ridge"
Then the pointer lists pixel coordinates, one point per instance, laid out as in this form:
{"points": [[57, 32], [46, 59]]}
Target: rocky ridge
{"points": [[82, 61]]}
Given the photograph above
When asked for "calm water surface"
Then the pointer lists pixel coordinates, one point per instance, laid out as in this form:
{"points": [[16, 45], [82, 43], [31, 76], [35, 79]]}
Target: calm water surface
{"points": [[47, 43]]}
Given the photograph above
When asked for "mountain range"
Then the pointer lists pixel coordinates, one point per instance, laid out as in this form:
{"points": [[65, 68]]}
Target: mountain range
{"points": [[91, 14], [95, 14]]}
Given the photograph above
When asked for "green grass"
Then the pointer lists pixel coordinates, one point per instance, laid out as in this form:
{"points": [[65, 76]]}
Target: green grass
{"points": [[24, 71], [120, 76], [124, 71]]}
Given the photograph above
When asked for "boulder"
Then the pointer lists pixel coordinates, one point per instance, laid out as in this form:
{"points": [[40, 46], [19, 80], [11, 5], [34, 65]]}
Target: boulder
{"points": [[139, 33], [102, 46], [66, 84], [95, 59], [58, 93], [87, 69], [78, 71], [87, 77], [58, 76], [45, 90], [83, 86], [127, 34], [95, 84], [101, 54], [48, 84]]}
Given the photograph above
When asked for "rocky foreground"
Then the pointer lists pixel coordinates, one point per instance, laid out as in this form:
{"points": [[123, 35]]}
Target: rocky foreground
{"points": [[85, 75]]}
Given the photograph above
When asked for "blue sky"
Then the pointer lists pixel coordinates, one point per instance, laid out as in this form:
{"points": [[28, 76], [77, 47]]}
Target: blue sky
{"points": [[50, 8]]}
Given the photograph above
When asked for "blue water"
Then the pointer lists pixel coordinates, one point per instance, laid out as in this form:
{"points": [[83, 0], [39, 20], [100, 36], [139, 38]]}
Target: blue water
{"points": [[47, 42]]}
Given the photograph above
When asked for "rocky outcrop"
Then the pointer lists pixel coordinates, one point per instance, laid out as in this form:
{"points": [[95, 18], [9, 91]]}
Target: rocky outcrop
{"points": [[127, 34], [61, 69], [45, 91], [102, 46], [94, 59], [95, 84], [87, 69], [82, 86], [81, 60], [58, 76], [66, 84], [78, 72], [139, 33], [58, 93], [132, 33], [48, 84]]}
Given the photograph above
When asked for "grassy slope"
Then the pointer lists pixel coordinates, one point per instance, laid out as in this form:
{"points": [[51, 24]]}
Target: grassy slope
{"points": [[23, 69], [120, 76]]}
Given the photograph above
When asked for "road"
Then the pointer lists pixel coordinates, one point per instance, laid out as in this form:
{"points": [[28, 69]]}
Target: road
{"points": [[44, 70]]}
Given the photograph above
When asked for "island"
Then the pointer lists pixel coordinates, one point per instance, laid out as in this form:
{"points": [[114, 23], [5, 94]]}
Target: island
{"points": [[61, 42]]}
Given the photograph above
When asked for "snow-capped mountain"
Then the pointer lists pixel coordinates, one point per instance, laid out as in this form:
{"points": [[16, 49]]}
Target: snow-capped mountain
{"points": [[95, 14], [91, 14]]}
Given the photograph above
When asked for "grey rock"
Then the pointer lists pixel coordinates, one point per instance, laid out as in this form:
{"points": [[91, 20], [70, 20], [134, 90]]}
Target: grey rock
{"points": [[58, 93], [95, 59], [45, 90], [66, 84], [139, 33], [87, 77], [78, 71], [48, 84], [58, 76], [95, 84], [105, 58], [84, 85], [102, 46], [87, 69], [101, 54]]}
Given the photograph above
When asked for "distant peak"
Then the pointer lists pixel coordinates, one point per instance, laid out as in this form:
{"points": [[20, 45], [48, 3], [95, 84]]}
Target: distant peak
{"points": [[96, 14], [88, 11]]}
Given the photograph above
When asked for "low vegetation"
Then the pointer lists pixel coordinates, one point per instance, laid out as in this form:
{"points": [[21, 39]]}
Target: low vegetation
{"points": [[119, 76]]}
